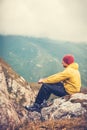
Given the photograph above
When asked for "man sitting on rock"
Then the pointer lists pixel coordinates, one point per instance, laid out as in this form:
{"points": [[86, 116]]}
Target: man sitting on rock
{"points": [[60, 84]]}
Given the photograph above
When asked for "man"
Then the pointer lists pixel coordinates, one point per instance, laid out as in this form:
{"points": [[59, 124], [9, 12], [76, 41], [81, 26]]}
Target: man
{"points": [[59, 84]]}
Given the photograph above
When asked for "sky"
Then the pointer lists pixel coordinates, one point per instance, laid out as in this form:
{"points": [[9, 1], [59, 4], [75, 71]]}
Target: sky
{"points": [[55, 19]]}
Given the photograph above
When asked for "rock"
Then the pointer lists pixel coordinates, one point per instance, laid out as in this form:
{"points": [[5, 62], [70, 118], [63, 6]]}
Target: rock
{"points": [[75, 106], [79, 96], [8, 114], [34, 116], [64, 109], [15, 93]]}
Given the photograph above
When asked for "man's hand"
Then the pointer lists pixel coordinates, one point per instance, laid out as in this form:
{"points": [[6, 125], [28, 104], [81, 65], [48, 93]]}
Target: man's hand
{"points": [[40, 81]]}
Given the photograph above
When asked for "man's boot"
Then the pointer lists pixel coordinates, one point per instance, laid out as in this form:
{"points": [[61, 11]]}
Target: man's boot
{"points": [[36, 107]]}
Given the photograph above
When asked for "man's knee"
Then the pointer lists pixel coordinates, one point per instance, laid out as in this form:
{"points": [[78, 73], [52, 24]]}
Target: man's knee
{"points": [[44, 85], [47, 87]]}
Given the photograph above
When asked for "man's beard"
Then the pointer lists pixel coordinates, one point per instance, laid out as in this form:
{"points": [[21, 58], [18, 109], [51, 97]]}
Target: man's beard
{"points": [[64, 66]]}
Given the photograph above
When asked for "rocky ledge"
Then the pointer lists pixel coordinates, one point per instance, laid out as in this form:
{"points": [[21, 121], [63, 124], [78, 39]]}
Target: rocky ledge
{"points": [[65, 107]]}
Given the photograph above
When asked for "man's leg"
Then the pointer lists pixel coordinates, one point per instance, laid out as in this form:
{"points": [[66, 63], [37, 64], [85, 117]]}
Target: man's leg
{"points": [[44, 93], [47, 89]]}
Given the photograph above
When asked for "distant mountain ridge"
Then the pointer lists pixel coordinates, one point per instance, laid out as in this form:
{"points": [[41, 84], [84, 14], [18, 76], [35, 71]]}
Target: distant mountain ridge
{"points": [[34, 58]]}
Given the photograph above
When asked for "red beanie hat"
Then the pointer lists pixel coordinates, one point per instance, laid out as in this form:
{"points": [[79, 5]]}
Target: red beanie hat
{"points": [[68, 59]]}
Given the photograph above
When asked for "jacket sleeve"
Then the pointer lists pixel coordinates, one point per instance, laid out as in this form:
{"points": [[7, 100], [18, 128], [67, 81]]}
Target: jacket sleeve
{"points": [[57, 77]]}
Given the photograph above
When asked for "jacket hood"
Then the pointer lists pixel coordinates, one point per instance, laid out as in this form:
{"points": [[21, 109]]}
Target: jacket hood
{"points": [[74, 66]]}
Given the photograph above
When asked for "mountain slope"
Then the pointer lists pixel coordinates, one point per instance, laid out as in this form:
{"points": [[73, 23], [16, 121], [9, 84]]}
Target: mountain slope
{"points": [[34, 58]]}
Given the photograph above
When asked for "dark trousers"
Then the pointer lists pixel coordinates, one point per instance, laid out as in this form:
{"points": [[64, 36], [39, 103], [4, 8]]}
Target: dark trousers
{"points": [[47, 89]]}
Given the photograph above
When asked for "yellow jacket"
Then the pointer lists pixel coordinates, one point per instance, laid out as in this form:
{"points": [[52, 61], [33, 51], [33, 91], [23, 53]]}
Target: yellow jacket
{"points": [[70, 77]]}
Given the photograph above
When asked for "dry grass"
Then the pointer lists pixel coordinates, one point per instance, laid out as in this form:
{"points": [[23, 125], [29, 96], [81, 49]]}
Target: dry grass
{"points": [[79, 123]]}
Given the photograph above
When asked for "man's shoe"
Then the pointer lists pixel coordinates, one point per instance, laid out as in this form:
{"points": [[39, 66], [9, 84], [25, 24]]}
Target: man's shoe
{"points": [[36, 107]]}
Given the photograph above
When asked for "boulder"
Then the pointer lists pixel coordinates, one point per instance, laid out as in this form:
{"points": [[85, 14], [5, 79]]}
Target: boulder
{"points": [[15, 93]]}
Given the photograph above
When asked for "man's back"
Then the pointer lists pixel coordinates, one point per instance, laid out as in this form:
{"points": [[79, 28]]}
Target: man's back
{"points": [[73, 83]]}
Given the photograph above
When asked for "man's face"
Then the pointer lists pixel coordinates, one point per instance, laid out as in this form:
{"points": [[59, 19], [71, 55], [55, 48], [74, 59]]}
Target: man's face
{"points": [[64, 64]]}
